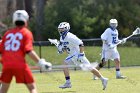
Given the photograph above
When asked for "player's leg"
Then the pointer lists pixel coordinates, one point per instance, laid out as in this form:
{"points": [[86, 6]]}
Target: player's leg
{"points": [[6, 77], [104, 59], [96, 72], [4, 87], [66, 74], [101, 64], [24, 75], [31, 87], [116, 58], [118, 73], [99, 75]]}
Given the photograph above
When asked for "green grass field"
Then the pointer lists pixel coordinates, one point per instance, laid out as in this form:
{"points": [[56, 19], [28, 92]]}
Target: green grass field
{"points": [[82, 82], [129, 55]]}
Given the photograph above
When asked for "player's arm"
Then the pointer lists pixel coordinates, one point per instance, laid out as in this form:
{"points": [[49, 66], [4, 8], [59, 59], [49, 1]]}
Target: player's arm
{"points": [[28, 48], [81, 46], [32, 54]]}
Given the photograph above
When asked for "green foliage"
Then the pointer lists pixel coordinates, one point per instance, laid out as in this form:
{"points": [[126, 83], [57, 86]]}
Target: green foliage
{"points": [[88, 18]]}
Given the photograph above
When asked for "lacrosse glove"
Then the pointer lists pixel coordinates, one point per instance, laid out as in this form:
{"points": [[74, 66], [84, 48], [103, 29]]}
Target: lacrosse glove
{"points": [[44, 65], [60, 48], [123, 41], [80, 57]]}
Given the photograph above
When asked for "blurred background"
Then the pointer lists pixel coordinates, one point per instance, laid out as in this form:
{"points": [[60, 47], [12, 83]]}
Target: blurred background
{"points": [[88, 18]]}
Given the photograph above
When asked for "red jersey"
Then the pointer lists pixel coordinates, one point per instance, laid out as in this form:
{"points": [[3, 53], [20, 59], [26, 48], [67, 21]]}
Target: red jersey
{"points": [[15, 44]]}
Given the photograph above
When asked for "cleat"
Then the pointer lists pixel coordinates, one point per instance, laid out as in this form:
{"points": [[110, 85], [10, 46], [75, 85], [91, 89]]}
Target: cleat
{"points": [[104, 83], [121, 77], [66, 85]]}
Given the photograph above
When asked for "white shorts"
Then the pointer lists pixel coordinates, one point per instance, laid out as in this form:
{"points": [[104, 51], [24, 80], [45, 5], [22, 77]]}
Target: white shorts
{"points": [[110, 54], [73, 59]]}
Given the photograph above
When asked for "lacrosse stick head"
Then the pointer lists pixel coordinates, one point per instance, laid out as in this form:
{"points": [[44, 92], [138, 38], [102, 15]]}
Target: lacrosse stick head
{"points": [[54, 41], [137, 31]]}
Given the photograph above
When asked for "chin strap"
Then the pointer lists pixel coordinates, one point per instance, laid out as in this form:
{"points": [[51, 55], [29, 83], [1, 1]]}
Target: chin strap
{"points": [[63, 34], [113, 28]]}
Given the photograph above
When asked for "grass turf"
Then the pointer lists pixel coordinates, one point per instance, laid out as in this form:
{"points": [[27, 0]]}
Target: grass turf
{"points": [[129, 55], [82, 82]]}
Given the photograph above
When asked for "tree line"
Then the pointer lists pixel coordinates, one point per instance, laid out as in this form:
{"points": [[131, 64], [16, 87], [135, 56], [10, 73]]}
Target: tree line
{"points": [[88, 18]]}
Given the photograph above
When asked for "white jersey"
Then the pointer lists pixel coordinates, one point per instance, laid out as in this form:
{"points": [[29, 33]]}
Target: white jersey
{"points": [[111, 37], [71, 43]]}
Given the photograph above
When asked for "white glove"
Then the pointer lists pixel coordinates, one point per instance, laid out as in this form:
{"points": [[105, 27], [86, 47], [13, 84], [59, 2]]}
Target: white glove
{"points": [[123, 41], [111, 46], [60, 48], [80, 57], [44, 65]]}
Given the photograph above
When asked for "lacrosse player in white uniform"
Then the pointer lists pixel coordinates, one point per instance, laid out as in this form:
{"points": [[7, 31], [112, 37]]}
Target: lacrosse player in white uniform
{"points": [[75, 50], [109, 47]]}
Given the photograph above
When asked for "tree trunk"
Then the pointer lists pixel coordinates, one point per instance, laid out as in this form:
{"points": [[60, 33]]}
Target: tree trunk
{"points": [[19, 4], [29, 7], [39, 19], [10, 7]]}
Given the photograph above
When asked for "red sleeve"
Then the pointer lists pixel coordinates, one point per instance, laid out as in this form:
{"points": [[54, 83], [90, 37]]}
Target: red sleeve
{"points": [[1, 47], [28, 43], [2, 42]]}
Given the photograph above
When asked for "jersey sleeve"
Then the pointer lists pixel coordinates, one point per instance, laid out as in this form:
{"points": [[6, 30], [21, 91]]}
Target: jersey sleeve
{"points": [[2, 42], [28, 43], [1, 46], [104, 35], [75, 40]]}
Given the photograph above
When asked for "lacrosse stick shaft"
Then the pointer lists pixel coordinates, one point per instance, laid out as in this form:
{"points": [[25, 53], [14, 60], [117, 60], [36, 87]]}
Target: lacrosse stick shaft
{"points": [[126, 39], [55, 67]]}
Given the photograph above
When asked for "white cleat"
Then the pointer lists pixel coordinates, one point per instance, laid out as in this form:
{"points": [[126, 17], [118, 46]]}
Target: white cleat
{"points": [[121, 77], [66, 85], [104, 83]]}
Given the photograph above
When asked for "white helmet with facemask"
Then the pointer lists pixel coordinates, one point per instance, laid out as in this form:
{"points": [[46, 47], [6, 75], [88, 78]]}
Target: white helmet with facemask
{"points": [[65, 26], [20, 15], [113, 23]]}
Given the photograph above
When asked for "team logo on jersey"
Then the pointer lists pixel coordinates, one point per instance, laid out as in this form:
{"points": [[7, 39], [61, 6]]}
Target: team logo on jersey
{"points": [[65, 43], [114, 34]]}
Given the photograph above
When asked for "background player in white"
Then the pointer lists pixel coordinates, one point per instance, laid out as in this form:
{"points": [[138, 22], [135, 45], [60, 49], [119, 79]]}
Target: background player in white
{"points": [[109, 48], [75, 50]]}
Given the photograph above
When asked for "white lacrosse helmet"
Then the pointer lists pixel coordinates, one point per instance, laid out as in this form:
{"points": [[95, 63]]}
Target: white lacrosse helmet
{"points": [[20, 15], [64, 25], [113, 23]]}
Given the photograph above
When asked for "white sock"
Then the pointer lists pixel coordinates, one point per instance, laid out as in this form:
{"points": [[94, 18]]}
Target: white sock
{"points": [[118, 73], [68, 81], [101, 78]]}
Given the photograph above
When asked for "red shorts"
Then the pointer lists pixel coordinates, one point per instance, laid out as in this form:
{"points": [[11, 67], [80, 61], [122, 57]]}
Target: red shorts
{"points": [[23, 75]]}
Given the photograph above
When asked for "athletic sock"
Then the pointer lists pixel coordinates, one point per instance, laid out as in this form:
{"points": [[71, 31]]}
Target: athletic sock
{"points": [[67, 79], [101, 78], [118, 73]]}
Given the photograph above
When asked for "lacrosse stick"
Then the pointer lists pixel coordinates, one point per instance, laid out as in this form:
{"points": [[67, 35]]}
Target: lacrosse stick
{"points": [[136, 32], [84, 67], [54, 41]]}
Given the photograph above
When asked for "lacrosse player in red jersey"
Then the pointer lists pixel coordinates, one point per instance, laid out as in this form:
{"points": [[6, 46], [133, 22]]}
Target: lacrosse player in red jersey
{"points": [[109, 48], [16, 43], [75, 50]]}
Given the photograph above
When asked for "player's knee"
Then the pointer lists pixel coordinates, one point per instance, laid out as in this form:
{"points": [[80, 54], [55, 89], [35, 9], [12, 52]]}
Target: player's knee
{"points": [[102, 64]]}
